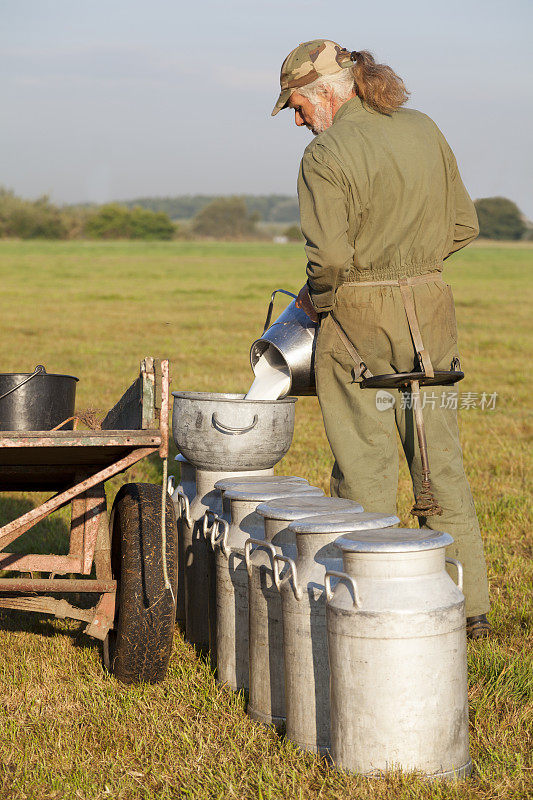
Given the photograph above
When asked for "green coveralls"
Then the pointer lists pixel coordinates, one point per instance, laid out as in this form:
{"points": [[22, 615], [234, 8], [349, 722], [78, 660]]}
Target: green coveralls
{"points": [[381, 198]]}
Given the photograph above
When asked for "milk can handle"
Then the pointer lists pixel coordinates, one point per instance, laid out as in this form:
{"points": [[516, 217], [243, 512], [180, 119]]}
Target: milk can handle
{"points": [[215, 531], [184, 508], [271, 306], [171, 485], [343, 576], [216, 423], [259, 544], [459, 571], [277, 580], [222, 540], [210, 530]]}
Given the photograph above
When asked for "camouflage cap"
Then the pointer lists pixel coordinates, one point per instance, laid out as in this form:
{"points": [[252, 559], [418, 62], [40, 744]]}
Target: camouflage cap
{"points": [[308, 62]]}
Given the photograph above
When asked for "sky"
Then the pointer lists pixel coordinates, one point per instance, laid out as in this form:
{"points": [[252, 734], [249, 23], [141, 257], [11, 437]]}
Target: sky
{"points": [[117, 99]]}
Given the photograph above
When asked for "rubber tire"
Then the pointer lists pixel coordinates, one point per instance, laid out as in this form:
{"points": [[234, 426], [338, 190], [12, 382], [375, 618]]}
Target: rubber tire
{"points": [[140, 644]]}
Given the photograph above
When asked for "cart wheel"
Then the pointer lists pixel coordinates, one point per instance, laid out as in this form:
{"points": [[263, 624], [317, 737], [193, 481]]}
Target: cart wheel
{"points": [[140, 644]]}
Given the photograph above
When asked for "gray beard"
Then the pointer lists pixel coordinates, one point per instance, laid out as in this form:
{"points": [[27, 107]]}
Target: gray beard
{"points": [[322, 120]]}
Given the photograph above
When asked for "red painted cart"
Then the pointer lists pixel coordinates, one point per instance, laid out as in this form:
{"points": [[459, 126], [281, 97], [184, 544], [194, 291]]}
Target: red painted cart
{"points": [[127, 562]]}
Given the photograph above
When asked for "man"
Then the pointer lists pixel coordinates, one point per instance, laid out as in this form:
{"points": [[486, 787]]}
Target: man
{"points": [[382, 205]]}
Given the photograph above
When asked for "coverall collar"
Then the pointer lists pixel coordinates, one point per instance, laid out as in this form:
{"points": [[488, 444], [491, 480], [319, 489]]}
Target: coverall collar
{"points": [[351, 106]]}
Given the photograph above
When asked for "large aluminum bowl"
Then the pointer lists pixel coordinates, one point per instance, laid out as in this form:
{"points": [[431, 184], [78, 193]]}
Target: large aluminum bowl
{"points": [[226, 433]]}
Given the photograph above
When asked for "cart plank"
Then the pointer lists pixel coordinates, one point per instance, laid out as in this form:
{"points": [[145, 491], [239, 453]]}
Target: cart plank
{"points": [[25, 439], [41, 461]]}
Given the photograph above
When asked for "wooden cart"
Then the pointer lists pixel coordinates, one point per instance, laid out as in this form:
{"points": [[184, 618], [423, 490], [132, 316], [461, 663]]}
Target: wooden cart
{"points": [[126, 562]]}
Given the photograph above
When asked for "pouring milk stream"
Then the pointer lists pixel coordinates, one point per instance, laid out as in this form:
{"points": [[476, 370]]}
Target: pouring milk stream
{"points": [[272, 378]]}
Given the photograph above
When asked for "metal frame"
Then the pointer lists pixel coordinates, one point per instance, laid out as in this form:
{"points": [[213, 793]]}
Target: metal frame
{"points": [[144, 408]]}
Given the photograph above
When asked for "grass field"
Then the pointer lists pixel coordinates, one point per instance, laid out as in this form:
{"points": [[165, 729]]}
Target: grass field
{"points": [[67, 729]]}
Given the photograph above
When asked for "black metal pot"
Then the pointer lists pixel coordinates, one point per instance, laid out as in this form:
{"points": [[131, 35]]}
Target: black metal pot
{"points": [[36, 401]]}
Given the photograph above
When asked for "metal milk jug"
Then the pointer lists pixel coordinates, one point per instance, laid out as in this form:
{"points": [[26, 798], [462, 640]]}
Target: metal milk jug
{"points": [[232, 577], [266, 702], [198, 558], [222, 435], [292, 337], [181, 494], [229, 483], [211, 527], [397, 649], [304, 621]]}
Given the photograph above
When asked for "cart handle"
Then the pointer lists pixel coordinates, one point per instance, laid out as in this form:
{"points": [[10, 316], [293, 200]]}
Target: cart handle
{"points": [[296, 588]]}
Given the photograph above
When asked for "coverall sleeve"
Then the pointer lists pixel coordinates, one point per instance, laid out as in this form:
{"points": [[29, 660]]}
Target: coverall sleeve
{"points": [[323, 198], [466, 223]]}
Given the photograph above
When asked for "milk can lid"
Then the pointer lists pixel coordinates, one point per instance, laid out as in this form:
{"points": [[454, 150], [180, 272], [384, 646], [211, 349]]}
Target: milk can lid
{"points": [[393, 540], [261, 492], [343, 522], [290, 508], [235, 480]]}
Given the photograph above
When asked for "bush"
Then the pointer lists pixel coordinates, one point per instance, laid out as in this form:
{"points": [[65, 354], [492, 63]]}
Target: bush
{"points": [[30, 219], [293, 233], [113, 221], [499, 218], [225, 218]]}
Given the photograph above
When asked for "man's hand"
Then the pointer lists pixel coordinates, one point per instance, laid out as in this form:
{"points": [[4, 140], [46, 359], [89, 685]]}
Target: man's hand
{"points": [[303, 301]]}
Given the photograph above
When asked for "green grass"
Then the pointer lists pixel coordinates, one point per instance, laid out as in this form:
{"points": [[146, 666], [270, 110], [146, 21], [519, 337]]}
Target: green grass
{"points": [[67, 729]]}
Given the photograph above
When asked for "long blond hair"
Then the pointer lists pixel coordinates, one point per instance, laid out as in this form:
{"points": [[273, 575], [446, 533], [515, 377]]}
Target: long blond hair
{"points": [[377, 85]]}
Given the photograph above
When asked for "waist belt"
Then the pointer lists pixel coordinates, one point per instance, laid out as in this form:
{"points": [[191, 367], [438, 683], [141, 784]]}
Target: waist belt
{"points": [[405, 285]]}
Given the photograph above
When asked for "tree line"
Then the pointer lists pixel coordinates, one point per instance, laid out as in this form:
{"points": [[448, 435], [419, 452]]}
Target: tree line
{"points": [[268, 208], [217, 218], [41, 219]]}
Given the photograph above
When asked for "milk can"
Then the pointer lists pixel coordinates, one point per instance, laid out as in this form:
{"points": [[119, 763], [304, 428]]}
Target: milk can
{"points": [[198, 556], [181, 494], [186, 483], [290, 340], [304, 620], [266, 702], [232, 577], [397, 649], [211, 529], [229, 483], [222, 435]]}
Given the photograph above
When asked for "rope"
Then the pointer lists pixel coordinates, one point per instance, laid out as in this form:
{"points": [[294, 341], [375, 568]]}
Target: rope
{"points": [[166, 580], [425, 503]]}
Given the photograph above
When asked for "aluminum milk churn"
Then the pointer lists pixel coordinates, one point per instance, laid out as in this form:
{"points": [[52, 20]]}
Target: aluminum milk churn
{"points": [[182, 493], [266, 702], [211, 529], [232, 577], [397, 648], [222, 435], [304, 621], [198, 556], [229, 483], [291, 341]]}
